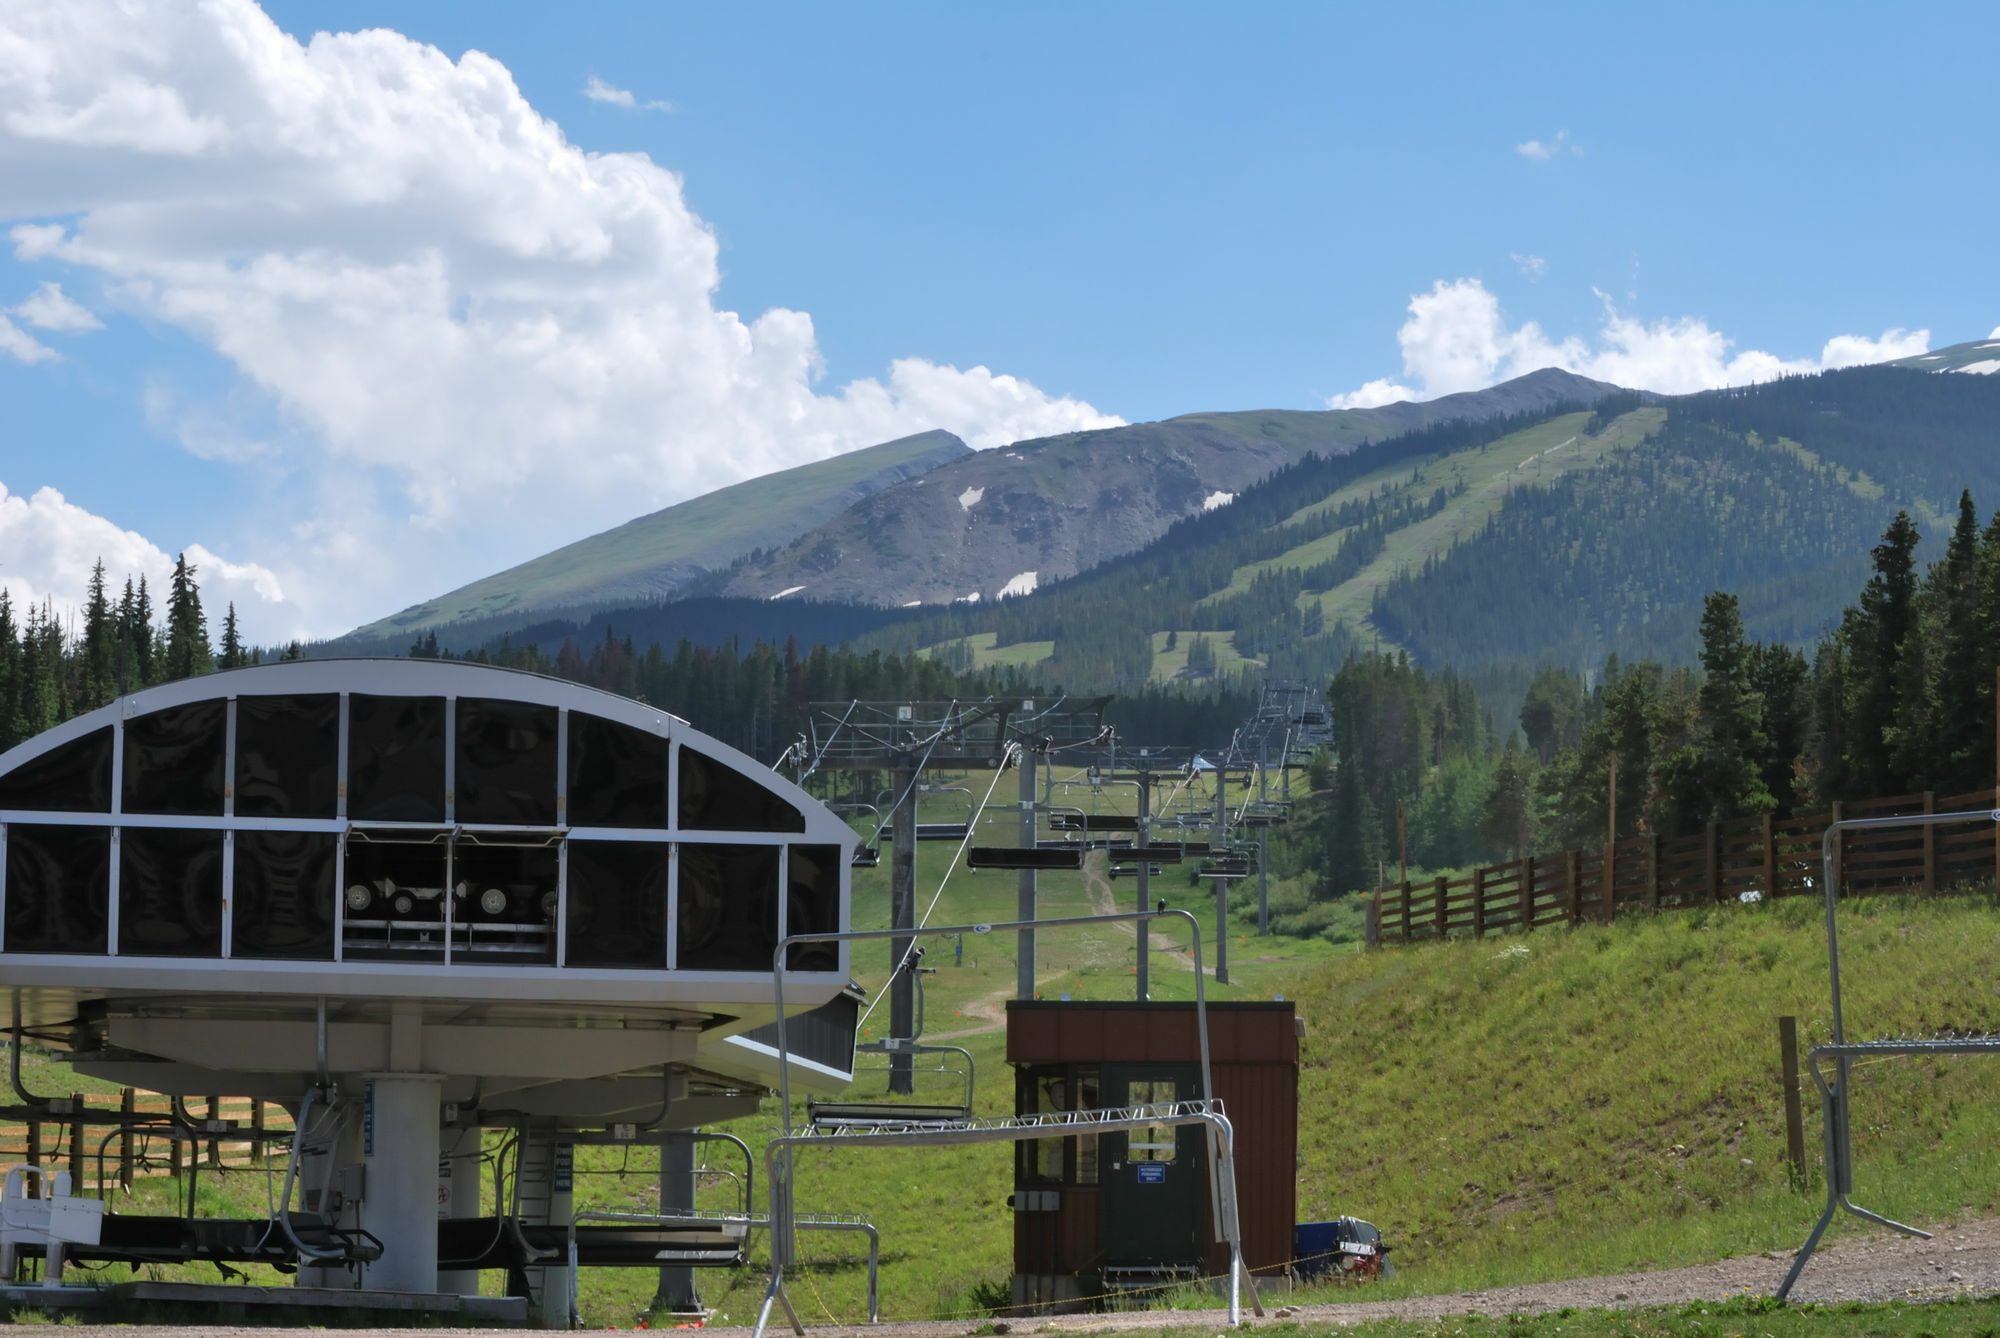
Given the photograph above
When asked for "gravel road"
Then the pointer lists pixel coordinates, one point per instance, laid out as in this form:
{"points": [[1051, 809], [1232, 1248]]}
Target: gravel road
{"points": [[1877, 1266]]}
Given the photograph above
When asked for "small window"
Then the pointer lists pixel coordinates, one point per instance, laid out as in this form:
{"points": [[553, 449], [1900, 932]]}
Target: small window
{"points": [[395, 759], [718, 798], [617, 774], [617, 904], [173, 760], [1155, 1142], [72, 778], [1043, 1091], [506, 906], [506, 763], [287, 756], [169, 892], [812, 906], [283, 905], [728, 908], [396, 893], [58, 888]]}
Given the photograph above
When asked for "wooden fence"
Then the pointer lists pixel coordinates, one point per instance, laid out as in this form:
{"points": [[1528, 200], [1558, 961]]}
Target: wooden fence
{"points": [[103, 1158], [1722, 863]]}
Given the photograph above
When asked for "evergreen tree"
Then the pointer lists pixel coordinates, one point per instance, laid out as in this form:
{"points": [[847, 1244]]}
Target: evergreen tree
{"points": [[1350, 842], [136, 632], [98, 679], [188, 651], [13, 725], [1717, 775], [1507, 817], [233, 656], [1875, 636]]}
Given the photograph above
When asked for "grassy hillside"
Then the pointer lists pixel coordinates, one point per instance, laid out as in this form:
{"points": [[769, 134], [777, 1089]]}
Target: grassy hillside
{"points": [[1561, 1104], [650, 558]]}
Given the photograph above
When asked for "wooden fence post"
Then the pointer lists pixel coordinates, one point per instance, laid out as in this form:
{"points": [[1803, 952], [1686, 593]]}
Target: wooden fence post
{"points": [[1653, 871], [1607, 883], [1527, 893], [1839, 848], [1770, 860], [1930, 843], [128, 1105], [1574, 880], [1795, 1130], [1441, 882], [1406, 930], [1479, 902], [1712, 861]]}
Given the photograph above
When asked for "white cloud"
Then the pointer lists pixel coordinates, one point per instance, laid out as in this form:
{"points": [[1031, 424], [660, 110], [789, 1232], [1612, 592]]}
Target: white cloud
{"points": [[1542, 150], [1995, 334], [48, 546], [18, 344], [49, 308], [482, 341], [1456, 338], [1532, 266], [599, 91]]}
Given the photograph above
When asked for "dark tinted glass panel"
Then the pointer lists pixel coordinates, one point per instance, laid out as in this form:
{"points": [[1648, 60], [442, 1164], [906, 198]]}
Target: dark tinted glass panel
{"points": [[75, 778], [506, 903], [287, 756], [617, 904], [812, 906], [395, 900], [728, 907], [58, 888], [395, 759], [716, 798], [506, 763], [173, 759], [283, 905], [169, 893], [617, 774]]}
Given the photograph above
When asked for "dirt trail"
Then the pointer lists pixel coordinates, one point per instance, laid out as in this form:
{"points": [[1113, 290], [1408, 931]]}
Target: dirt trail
{"points": [[1962, 1261]]}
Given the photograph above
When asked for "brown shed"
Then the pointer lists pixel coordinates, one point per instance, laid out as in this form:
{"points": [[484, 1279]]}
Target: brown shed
{"points": [[1105, 1209]]}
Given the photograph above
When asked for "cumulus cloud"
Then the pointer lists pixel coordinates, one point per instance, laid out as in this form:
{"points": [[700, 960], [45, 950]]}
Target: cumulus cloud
{"points": [[1542, 150], [1532, 266], [1995, 334], [599, 91], [482, 340], [49, 308], [21, 346], [48, 546], [1457, 338]]}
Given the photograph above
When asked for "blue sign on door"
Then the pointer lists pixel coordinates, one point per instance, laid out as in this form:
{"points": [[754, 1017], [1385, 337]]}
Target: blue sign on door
{"points": [[1152, 1172]]}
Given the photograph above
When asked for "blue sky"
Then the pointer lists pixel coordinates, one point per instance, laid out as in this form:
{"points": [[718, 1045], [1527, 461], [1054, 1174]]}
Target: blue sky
{"points": [[359, 351]]}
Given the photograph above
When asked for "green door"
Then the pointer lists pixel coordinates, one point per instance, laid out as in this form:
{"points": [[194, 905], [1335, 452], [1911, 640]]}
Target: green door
{"points": [[1154, 1178]]}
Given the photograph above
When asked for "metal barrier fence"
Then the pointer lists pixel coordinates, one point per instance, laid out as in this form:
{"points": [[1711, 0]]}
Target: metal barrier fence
{"points": [[1723, 862]]}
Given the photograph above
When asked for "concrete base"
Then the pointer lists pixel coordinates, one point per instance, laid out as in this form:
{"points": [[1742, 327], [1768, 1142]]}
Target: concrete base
{"points": [[1047, 1294], [290, 1303]]}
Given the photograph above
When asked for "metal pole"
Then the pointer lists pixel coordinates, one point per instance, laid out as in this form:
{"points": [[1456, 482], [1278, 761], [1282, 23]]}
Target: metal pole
{"points": [[1144, 837], [1263, 854], [1024, 970], [1218, 840], [903, 915]]}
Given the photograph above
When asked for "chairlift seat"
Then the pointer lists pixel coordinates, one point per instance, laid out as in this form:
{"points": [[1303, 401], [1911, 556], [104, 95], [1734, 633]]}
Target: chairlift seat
{"points": [[865, 857], [1094, 822], [881, 1114], [943, 831], [1013, 857]]}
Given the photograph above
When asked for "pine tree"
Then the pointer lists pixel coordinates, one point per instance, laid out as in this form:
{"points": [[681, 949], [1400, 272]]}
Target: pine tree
{"points": [[13, 726], [98, 679], [1718, 775], [136, 633], [1874, 637], [1507, 819], [188, 651], [232, 644]]}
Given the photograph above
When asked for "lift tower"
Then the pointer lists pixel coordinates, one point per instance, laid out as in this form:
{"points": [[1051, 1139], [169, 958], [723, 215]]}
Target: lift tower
{"points": [[905, 739]]}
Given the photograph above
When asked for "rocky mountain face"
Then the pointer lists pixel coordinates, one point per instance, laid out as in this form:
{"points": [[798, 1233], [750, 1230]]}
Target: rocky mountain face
{"points": [[1002, 522], [658, 556]]}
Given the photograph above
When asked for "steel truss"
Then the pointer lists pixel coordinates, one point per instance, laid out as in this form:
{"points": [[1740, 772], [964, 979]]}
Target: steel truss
{"points": [[1833, 1095]]}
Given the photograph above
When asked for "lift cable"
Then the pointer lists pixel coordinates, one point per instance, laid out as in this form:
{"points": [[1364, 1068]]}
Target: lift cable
{"points": [[910, 954]]}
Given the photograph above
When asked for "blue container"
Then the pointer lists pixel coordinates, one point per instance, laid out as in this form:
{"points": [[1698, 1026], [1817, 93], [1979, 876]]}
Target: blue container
{"points": [[1314, 1246]]}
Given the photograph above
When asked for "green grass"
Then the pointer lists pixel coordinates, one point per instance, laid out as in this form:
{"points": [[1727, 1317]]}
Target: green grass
{"points": [[1172, 664], [1561, 1104]]}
